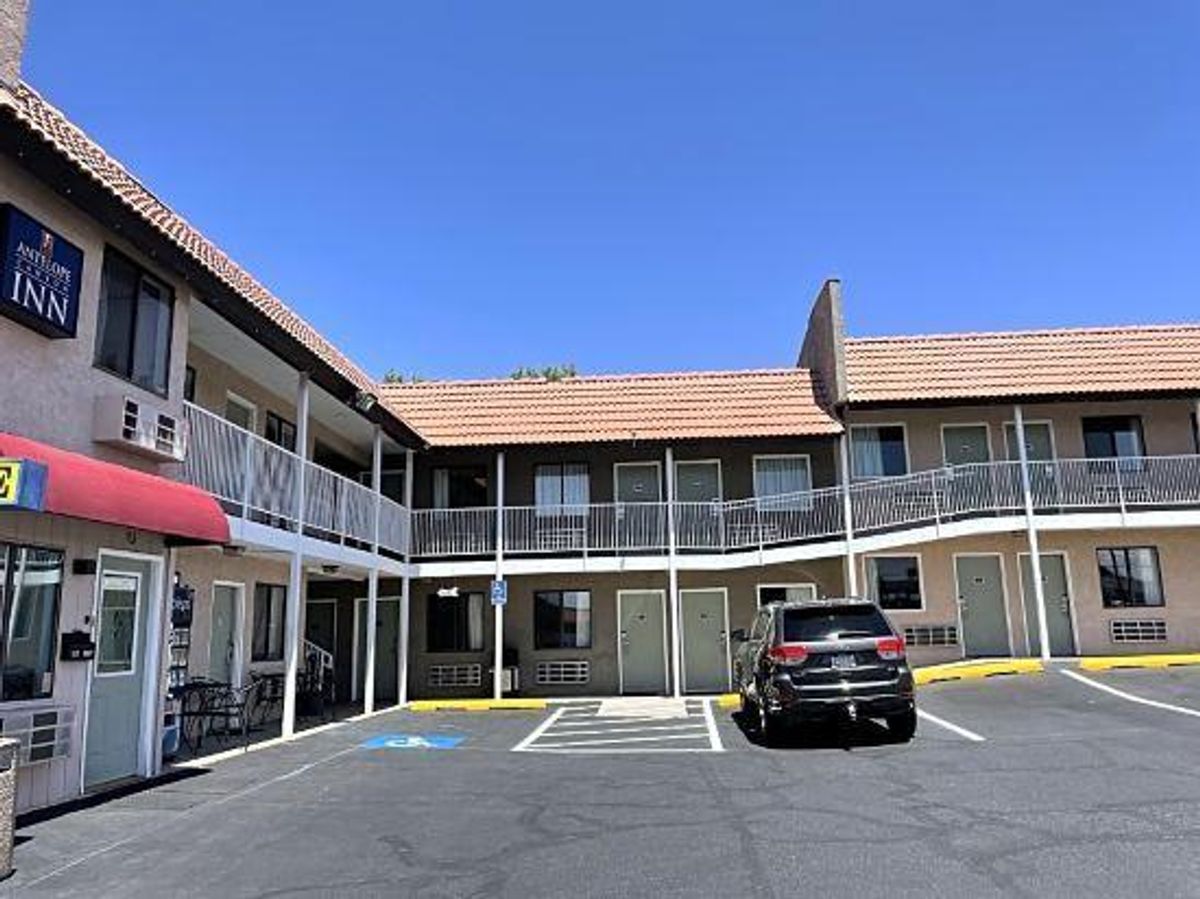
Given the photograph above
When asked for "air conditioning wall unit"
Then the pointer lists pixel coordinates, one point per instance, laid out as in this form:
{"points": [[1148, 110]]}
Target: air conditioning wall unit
{"points": [[139, 427]]}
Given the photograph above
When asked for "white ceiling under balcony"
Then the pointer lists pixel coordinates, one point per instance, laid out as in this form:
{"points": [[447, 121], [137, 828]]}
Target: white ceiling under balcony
{"points": [[217, 337]]}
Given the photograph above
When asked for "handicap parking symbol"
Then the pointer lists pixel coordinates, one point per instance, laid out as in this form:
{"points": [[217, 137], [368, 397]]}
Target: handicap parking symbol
{"points": [[411, 741]]}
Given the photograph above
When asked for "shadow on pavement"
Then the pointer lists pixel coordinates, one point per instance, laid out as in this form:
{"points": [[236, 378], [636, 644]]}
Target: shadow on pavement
{"points": [[823, 735]]}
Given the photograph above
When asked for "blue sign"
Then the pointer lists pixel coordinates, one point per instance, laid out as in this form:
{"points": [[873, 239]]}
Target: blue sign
{"points": [[499, 593], [39, 275], [22, 484], [411, 741]]}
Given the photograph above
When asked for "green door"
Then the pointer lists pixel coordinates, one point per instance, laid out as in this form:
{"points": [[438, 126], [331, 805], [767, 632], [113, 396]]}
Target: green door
{"points": [[981, 604], [643, 655], [221, 643], [965, 444], [705, 641], [114, 721], [387, 643], [1058, 606]]}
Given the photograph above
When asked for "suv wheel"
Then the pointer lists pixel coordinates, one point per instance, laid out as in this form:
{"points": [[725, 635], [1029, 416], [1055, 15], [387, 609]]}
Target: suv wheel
{"points": [[902, 727], [769, 726]]}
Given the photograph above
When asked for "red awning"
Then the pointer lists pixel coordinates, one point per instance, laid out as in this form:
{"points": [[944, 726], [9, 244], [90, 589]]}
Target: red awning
{"points": [[79, 486]]}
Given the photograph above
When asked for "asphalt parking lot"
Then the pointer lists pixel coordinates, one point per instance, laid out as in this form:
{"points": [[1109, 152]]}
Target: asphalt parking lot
{"points": [[1046, 785]]}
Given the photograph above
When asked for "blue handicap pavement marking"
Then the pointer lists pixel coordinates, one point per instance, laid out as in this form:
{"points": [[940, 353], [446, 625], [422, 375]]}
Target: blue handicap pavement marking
{"points": [[411, 741]]}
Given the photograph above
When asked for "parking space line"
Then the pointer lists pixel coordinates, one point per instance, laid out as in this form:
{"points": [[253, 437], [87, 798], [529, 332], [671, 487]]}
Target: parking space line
{"points": [[714, 737], [1129, 697], [950, 726], [631, 730], [539, 730], [622, 740]]}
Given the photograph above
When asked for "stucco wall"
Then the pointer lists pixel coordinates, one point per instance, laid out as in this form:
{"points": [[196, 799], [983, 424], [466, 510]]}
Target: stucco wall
{"points": [[1166, 426], [50, 386]]}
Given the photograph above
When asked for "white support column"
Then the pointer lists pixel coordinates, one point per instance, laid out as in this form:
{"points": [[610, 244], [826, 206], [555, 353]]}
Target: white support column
{"points": [[1035, 557], [848, 517], [405, 579], [295, 594], [498, 648], [673, 580], [373, 577]]}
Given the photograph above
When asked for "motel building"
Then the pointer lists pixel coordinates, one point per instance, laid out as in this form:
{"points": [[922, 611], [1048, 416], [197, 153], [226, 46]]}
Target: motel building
{"points": [[215, 527]]}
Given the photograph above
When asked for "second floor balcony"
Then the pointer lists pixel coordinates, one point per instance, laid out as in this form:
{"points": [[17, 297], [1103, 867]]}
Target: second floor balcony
{"points": [[256, 480]]}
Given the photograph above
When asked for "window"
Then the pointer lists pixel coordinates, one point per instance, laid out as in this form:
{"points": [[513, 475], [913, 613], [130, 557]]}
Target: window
{"points": [[133, 334], [1129, 576], [561, 489], [270, 607], [1113, 436], [117, 628], [562, 619], [818, 623], [782, 482], [240, 412], [768, 593], [894, 582], [280, 432], [189, 384], [30, 591], [878, 451], [460, 488], [454, 623]]}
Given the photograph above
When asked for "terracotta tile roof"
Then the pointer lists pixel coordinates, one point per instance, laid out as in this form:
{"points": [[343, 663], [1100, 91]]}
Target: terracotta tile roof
{"points": [[1064, 362], [767, 403], [52, 126]]}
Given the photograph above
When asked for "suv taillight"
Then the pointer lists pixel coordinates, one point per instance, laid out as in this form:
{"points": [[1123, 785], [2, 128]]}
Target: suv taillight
{"points": [[890, 649], [788, 653]]}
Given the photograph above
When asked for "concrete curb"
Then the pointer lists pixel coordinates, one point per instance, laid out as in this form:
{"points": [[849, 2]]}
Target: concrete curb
{"points": [[1158, 660], [953, 671], [477, 705]]}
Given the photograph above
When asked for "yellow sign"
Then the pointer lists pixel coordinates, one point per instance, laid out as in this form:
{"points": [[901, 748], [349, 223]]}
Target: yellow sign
{"points": [[10, 481]]}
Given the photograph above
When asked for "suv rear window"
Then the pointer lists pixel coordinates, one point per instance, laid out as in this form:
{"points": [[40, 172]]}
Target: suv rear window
{"points": [[800, 625]]}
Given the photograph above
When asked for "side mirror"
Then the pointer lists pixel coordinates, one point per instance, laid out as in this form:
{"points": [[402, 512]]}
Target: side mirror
{"points": [[739, 635]]}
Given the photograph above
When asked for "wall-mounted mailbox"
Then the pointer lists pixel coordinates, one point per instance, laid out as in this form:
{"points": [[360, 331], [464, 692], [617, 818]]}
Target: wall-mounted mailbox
{"points": [[77, 646]]}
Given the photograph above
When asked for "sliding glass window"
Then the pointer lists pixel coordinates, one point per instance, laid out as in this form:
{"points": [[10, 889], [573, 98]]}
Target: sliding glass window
{"points": [[31, 590]]}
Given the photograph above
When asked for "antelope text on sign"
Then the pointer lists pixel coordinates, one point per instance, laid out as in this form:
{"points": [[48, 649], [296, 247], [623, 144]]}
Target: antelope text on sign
{"points": [[411, 741]]}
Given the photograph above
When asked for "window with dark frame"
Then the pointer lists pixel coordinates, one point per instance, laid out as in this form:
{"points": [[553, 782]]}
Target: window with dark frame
{"points": [[878, 451], [562, 619], [133, 333], [460, 488], [894, 582], [454, 623], [189, 384], [280, 432], [31, 581], [1129, 576], [561, 488], [1113, 437], [270, 609]]}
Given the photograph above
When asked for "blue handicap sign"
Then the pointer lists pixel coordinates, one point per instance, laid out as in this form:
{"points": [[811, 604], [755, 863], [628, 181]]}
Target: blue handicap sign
{"points": [[499, 593], [411, 741]]}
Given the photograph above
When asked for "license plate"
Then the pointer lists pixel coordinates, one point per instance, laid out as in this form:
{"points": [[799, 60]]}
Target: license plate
{"points": [[844, 660]]}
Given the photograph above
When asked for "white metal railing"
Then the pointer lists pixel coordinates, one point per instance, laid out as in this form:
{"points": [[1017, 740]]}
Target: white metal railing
{"points": [[322, 661], [257, 479], [925, 498]]}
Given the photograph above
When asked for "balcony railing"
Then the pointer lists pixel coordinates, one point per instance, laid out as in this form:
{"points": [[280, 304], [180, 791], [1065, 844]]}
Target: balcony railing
{"points": [[256, 480], [929, 498]]}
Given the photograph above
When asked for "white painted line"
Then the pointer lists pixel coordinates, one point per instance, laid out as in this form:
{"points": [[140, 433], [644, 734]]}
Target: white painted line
{"points": [[698, 725], [714, 738], [594, 720], [953, 728], [539, 730], [1129, 697], [621, 740], [615, 750]]}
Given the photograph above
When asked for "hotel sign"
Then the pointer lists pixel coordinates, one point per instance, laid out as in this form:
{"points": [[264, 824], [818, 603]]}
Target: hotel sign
{"points": [[39, 275]]}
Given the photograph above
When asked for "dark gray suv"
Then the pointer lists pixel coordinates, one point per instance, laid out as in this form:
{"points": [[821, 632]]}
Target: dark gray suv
{"points": [[824, 660]]}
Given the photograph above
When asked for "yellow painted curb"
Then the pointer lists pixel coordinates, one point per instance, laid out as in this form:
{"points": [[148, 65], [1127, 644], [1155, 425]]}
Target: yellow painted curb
{"points": [[1162, 660], [934, 674], [476, 705], [729, 701]]}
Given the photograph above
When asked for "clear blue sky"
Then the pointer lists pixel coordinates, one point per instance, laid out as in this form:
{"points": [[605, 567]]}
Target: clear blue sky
{"points": [[456, 189]]}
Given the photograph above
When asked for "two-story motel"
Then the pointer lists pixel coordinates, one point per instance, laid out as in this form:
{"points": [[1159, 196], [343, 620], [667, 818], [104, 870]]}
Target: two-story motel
{"points": [[195, 483]]}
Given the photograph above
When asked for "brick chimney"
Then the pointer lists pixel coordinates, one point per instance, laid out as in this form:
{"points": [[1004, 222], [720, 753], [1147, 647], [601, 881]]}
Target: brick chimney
{"points": [[13, 16]]}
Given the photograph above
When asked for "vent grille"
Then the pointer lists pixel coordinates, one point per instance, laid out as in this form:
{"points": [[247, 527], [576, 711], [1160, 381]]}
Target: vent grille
{"points": [[1138, 631], [576, 671], [932, 635], [44, 734], [455, 675]]}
